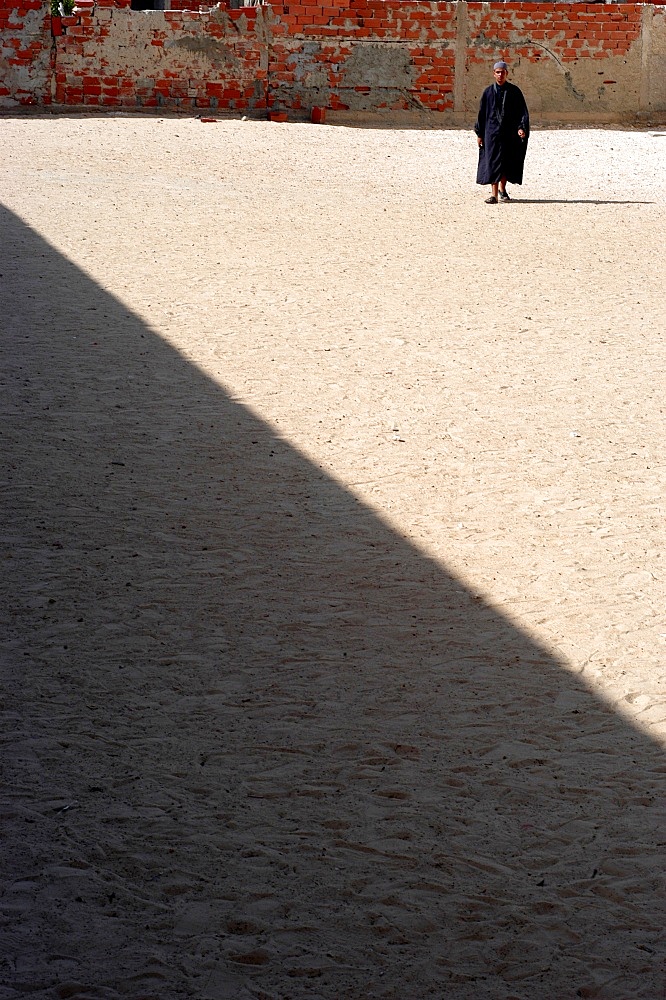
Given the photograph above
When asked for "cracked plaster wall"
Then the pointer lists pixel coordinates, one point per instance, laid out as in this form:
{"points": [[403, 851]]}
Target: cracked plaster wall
{"points": [[571, 62], [25, 54]]}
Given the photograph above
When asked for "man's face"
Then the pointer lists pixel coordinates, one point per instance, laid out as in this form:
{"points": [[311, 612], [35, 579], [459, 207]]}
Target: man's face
{"points": [[500, 76]]}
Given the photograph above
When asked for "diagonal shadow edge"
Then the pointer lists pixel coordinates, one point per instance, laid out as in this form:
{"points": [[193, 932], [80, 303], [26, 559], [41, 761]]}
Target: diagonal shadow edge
{"points": [[275, 726]]}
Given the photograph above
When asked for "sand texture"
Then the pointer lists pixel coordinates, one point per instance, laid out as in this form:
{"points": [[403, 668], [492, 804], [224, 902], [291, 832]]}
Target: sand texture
{"points": [[332, 546]]}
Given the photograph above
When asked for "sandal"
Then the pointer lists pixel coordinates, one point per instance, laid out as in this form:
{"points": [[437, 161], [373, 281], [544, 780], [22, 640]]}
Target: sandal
{"points": [[504, 196], [492, 200]]}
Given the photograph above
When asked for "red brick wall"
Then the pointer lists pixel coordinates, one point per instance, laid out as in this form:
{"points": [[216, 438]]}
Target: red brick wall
{"points": [[366, 55], [113, 56], [25, 52], [371, 55], [571, 32]]}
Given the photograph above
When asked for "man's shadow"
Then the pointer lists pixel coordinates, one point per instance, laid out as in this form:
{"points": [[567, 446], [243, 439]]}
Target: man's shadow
{"points": [[257, 743], [574, 201]]}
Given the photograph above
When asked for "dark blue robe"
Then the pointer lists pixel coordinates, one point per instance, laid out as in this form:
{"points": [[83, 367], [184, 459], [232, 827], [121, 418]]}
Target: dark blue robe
{"points": [[501, 113]]}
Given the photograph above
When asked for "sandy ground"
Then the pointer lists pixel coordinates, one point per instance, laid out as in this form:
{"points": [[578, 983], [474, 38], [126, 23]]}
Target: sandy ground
{"points": [[333, 536]]}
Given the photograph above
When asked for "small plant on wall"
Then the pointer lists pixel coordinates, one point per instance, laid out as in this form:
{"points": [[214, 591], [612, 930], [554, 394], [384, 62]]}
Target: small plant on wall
{"points": [[62, 8]]}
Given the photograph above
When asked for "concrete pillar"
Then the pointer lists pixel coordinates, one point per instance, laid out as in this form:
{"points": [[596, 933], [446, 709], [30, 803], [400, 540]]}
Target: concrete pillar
{"points": [[644, 90], [462, 29]]}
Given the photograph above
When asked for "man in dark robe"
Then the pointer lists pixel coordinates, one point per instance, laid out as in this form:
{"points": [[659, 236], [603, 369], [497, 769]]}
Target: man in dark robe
{"points": [[502, 129]]}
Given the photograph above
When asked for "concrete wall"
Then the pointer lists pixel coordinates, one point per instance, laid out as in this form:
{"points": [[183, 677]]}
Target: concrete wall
{"points": [[575, 61], [429, 60], [117, 57]]}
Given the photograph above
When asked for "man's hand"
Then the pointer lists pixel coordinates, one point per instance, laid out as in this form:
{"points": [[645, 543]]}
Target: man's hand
{"points": [[521, 133], [479, 140]]}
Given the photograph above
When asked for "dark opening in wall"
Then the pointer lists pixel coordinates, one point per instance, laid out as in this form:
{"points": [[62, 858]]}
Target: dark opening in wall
{"points": [[149, 5]]}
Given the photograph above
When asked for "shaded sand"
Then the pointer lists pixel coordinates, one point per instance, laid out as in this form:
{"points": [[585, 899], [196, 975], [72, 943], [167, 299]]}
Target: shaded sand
{"points": [[333, 539]]}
